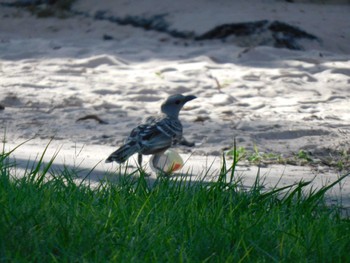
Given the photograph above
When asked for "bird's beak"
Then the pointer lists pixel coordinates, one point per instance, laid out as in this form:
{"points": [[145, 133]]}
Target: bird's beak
{"points": [[190, 97]]}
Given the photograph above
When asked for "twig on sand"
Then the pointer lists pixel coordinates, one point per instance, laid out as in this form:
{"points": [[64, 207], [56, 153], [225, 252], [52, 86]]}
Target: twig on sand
{"points": [[218, 85], [93, 117]]}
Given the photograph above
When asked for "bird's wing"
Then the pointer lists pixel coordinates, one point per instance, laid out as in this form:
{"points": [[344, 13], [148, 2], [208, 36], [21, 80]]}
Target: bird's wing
{"points": [[156, 134], [171, 127]]}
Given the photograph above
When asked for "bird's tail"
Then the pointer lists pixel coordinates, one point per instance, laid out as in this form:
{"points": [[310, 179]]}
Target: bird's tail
{"points": [[123, 153]]}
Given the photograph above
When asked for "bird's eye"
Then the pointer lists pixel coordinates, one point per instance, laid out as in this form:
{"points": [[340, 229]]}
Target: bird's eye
{"points": [[177, 102]]}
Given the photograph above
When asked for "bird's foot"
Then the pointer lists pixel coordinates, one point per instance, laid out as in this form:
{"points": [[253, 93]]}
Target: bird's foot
{"points": [[184, 142]]}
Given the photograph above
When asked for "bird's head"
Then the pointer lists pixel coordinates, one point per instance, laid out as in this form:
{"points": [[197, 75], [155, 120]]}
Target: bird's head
{"points": [[174, 103]]}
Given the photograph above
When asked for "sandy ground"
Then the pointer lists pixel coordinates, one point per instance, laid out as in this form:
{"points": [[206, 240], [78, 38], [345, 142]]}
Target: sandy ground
{"points": [[54, 71]]}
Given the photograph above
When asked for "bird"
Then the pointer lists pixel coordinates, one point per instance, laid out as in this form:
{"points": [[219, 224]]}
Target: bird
{"points": [[156, 133]]}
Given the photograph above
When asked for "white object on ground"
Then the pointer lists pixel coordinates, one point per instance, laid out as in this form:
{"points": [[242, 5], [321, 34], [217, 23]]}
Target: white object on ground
{"points": [[169, 161]]}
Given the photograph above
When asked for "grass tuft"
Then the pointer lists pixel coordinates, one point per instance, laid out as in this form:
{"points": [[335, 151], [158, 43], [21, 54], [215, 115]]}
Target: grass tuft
{"points": [[336, 159], [54, 219]]}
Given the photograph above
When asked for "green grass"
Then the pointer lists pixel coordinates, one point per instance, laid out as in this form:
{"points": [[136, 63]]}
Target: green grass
{"points": [[47, 217], [338, 160]]}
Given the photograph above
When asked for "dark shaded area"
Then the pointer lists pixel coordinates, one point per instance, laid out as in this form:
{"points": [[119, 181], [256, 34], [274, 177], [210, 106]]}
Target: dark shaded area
{"points": [[282, 34], [43, 8], [273, 33], [156, 23], [237, 29], [29, 3]]}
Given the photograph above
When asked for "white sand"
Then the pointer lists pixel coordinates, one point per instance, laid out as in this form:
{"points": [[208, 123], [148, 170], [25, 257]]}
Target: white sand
{"points": [[55, 71]]}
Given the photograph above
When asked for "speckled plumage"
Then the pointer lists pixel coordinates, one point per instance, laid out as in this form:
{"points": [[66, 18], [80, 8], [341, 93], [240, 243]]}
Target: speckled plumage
{"points": [[156, 134]]}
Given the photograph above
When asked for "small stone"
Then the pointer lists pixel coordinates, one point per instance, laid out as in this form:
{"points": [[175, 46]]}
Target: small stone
{"points": [[107, 37]]}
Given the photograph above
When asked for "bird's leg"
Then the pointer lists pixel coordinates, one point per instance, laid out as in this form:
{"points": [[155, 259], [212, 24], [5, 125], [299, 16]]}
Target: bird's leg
{"points": [[139, 159], [184, 142]]}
